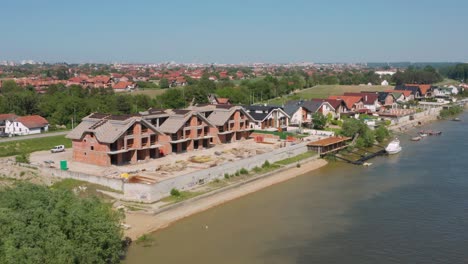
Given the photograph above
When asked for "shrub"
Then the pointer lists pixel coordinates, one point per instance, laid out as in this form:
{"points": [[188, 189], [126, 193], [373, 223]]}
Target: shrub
{"points": [[243, 171], [226, 175], [237, 173], [298, 165], [381, 133], [175, 192], [22, 158], [257, 169], [266, 164]]}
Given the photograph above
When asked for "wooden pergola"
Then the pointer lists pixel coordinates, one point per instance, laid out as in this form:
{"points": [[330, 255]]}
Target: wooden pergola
{"points": [[327, 145]]}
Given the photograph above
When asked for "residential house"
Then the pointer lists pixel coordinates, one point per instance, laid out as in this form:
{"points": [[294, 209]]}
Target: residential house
{"points": [[353, 103], [369, 99], [299, 114], [124, 86], [106, 140], [387, 99], [214, 100], [187, 129], [419, 91], [232, 122], [268, 117], [400, 96], [25, 125], [3, 119]]}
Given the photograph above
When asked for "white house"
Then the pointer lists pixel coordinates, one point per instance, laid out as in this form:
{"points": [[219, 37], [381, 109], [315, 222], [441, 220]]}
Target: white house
{"points": [[26, 125]]}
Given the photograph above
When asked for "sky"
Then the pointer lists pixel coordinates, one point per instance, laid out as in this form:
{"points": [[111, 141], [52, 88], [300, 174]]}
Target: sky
{"points": [[236, 31]]}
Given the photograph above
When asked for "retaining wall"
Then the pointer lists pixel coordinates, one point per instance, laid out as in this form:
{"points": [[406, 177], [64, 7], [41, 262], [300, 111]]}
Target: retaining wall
{"points": [[150, 193]]}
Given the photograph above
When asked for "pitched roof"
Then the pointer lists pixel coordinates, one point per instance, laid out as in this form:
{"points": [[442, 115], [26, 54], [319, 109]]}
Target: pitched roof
{"points": [[4, 117], [348, 99], [122, 85], [221, 115], [178, 118], [367, 98], [413, 89], [32, 121], [423, 88], [291, 107], [107, 128]]}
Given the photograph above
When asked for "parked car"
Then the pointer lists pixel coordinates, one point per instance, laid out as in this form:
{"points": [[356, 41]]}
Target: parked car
{"points": [[3, 135], [59, 148]]}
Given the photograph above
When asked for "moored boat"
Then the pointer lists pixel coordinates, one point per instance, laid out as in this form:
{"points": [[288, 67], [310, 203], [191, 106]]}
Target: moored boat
{"points": [[422, 133], [456, 119], [417, 138], [394, 147]]}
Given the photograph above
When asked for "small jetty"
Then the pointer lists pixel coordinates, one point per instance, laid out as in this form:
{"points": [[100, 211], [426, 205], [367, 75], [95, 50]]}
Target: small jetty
{"points": [[331, 145]]}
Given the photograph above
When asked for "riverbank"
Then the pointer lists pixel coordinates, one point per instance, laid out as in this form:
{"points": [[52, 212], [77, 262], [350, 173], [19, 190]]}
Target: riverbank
{"points": [[142, 223], [420, 119]]}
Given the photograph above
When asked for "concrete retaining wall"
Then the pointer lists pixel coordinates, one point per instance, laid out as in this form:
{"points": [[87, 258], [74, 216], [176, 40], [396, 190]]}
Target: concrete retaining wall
{"points": [[151, 193], [116, 184]]}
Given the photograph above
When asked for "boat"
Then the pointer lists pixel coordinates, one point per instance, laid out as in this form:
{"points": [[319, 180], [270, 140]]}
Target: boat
{"points": [[417, 138], [456, 119], [394, 147], [435, 133], [423, 133]]}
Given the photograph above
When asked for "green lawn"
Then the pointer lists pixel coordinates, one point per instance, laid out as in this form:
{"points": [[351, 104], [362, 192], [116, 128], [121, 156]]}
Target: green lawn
{"points": [[447, 82], [30, 145], [150, 92], [297, 158], [323, 91]]}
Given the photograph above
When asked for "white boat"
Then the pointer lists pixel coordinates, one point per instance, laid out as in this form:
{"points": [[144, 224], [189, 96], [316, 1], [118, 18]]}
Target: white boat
{"points": [[394, 147]]}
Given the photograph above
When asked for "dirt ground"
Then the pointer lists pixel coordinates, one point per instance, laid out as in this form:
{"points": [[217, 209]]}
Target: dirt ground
{"points": [[172, 165]]}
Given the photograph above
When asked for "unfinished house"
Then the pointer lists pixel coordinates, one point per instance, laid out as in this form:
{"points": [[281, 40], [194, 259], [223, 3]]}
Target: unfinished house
{"points": [[186, 129], [105, 140], [232, 122]]}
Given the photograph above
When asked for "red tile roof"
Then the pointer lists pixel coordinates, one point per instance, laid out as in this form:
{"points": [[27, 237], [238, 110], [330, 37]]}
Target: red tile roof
{"points": [[349, 100], [7, 117], [122, 85], [328, 141], [367, 98], [423, 87], [32, 121]]}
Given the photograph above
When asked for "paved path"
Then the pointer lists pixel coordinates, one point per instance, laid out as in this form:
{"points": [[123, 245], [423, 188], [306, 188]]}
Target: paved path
{"points": [[34, 136]]}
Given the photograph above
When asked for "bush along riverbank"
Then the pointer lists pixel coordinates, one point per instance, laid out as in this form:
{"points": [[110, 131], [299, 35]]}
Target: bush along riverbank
{"points": [[449, 112]]}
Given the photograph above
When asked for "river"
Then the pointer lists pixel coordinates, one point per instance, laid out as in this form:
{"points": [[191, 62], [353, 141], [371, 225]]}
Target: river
{"points": [[408, 208]]}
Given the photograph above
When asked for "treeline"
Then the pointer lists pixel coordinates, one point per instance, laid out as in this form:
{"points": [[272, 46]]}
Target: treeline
{"points": [[426, 75], [60, 105], [458, 72]]}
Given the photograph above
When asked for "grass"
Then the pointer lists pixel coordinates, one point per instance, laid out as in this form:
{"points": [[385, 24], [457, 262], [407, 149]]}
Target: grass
{"points": [[150, 92], [447, 82], [323, 91], [297, 158], [282, 135], [91, 188], [184, 195], [17, 147]]}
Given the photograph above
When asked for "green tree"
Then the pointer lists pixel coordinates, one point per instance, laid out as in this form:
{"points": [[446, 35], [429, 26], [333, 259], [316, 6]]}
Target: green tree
{"points": [[173, 98], [39, 225], [164, 83], [381, 133], [319, 121]]}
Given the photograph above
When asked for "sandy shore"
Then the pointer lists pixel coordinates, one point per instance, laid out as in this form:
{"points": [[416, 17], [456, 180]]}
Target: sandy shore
{"points": [[145, 223]]}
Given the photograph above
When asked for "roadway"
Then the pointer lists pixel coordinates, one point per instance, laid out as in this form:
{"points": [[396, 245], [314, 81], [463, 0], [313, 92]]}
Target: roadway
{"points": [[51, 134]]}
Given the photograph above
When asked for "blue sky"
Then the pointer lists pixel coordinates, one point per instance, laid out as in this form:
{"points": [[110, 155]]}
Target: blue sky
{"points": [[234, 31]]}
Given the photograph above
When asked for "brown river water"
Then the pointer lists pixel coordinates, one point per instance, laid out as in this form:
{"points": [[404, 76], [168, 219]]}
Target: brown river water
{"points": [[407, 208]]}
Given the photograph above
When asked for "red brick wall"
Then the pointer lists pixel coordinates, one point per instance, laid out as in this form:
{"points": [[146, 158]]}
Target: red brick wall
{"points": [[82, 151]]}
